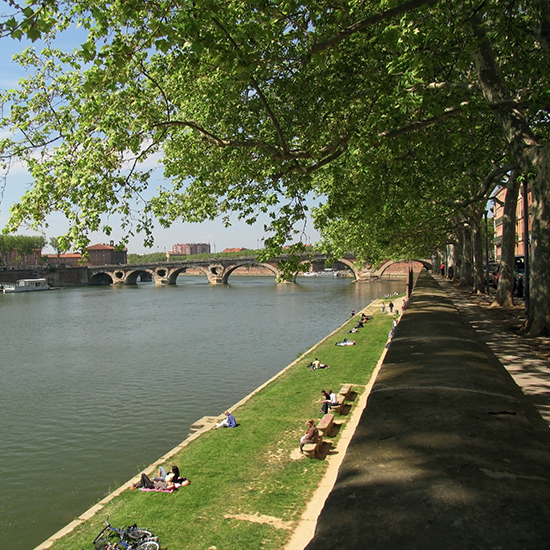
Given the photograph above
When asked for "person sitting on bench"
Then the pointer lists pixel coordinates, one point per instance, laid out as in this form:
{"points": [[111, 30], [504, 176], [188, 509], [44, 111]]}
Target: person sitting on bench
{"points": [[311, 436], [330, 400]]}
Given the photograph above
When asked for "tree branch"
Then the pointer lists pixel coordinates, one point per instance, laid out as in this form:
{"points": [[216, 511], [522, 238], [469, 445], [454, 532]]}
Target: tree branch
{"points": [[451, 86], [277, 153], [486, 187], [419, 124], [339, 149], [256, 86], [158, 86], [369, 21]]}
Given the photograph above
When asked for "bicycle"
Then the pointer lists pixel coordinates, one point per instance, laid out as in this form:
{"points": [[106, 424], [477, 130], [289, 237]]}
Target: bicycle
{"points": [[130, 538]]}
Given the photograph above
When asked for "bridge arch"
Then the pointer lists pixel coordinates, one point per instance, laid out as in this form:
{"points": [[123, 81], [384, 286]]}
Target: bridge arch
{"points": [[351, 266], [101, 278], [173, 274], [419, 264], [222, 274], [132, 276]]}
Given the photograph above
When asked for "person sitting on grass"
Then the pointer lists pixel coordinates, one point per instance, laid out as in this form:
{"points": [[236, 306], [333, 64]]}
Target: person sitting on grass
{"points": [[311, 436], [314, 365], [228, 422]]}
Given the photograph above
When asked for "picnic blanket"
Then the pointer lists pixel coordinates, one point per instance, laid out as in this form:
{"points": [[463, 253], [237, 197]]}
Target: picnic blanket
{"points": [[167, 490], [174, 487]]}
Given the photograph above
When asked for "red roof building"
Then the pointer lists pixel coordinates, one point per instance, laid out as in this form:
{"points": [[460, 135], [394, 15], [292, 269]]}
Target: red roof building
{"points": [[73, 259]]}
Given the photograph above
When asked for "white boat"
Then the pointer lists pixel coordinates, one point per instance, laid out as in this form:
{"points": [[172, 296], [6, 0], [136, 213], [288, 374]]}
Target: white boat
{"points": [[27, 285]]}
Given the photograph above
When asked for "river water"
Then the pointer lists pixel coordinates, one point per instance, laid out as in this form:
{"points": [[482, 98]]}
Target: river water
{"points": [[93, 380]]}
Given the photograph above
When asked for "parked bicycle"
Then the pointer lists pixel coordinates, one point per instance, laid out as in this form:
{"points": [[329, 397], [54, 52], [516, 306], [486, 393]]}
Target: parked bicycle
{"points": [[129, 538]]}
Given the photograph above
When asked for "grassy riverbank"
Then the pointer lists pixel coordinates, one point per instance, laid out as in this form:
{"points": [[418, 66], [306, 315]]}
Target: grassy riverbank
{"points": [[249, 486]]}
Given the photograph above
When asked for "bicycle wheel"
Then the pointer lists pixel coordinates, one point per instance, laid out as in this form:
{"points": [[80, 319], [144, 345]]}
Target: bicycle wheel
{"points": [[148, 545], [102, 544], [137, 533]]}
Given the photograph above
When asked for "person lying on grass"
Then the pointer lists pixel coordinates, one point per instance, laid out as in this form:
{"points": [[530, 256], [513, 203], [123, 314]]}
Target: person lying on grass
{"points": [[346, 342], [176, 478], [163, 482]]}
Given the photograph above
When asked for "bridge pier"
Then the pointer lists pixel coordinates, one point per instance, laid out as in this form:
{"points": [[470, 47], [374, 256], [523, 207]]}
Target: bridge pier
{"points": [[217, 274], [161, 276]]}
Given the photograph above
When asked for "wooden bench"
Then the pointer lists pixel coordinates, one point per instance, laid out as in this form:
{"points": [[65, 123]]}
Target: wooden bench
{"points": [[325, 425], [345, 390], [310, 449]]}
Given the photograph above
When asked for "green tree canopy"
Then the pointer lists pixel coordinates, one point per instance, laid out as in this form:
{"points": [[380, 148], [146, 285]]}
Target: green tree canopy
{"points": [[398, 116]]}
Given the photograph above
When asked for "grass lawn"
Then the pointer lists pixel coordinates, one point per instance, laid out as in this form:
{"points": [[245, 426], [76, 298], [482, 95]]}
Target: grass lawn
{"points": [[248, 486]]}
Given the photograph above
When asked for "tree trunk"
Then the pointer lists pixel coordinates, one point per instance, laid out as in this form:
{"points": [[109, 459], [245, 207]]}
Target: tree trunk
{"points": [[466, 270], [457, 254], [540, 23], [538, 322], [505, 288], [528, 153], [477, 236]]}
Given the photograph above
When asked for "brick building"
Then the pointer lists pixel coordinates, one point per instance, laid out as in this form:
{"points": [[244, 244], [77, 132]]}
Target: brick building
{"points": [[498, 214], [100, 254], [107, 254], [72, 259], [17, 260]]}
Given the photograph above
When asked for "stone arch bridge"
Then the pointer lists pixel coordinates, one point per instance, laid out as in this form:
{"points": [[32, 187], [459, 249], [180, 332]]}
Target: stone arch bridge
{"points": [[217, 270]]}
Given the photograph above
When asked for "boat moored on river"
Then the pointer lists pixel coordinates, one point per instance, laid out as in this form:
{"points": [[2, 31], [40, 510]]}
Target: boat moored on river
{"points": [[27, 285]]}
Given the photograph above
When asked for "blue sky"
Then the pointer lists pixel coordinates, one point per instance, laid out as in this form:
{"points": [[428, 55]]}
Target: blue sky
{"points": [[220, 237]]}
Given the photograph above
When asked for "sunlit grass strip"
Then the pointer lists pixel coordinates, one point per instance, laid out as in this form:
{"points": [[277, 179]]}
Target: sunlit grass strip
{"points": [[247, 490]]}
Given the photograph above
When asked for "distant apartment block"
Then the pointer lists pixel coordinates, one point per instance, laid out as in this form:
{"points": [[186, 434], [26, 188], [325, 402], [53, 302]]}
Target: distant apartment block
{"points": [[189, 249]]}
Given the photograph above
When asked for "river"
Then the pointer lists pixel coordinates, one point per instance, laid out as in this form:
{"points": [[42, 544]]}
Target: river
{"points": [[93, 380]]}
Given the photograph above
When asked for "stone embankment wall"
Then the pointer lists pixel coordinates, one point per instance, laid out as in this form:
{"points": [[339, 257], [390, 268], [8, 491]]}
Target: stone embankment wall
{"points": [[75, 276]]}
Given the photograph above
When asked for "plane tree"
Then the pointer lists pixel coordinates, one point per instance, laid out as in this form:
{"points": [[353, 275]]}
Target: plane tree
{"points": [[508, 48], [242, 108], [490, 61]]}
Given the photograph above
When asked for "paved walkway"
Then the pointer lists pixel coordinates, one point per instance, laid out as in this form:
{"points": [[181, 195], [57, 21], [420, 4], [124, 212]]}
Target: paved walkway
{"points": [[449, 453], [530, 371]]}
